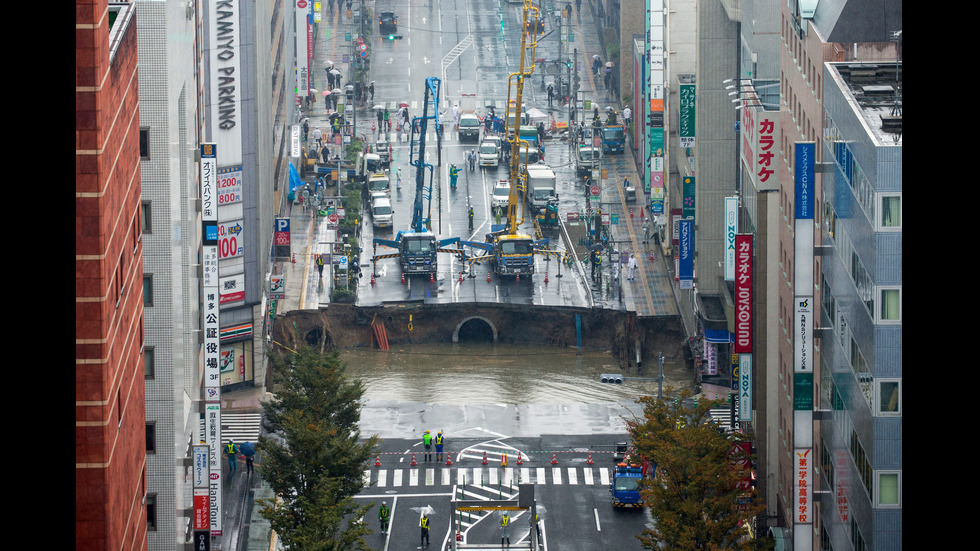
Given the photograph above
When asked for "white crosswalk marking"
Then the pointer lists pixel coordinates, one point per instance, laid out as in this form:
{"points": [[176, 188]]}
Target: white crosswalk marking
{"points": [[397, 481], [382, 478], [413, 477], [525, 475], [539, 473], [556, 475], [445, 477], [604, 476], [508, 477], [493, 477], [587, 475], [430, 475], [461, 477], [367, 478], [572, 479]]}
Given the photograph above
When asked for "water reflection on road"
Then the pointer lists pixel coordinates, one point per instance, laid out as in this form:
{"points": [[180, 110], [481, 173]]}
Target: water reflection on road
{"points": [[468, 374]]}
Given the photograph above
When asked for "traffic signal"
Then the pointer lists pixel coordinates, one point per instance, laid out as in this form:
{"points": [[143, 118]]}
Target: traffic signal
{"points": [[612, 378], [568, 63], [394, 36]]}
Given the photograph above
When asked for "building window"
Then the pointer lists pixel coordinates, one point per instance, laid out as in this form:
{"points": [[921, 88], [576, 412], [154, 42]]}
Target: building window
{"points": [[888, 396], [146, 221], [151, 512], [151, 437], [147, 290], [149, 367], [889, 305], [144, 143], [888, 489], [890, 212]]}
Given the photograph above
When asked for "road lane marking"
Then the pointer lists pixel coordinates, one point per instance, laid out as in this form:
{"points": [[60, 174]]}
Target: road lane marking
{"points": [[572, 479], [398, 478], [597, 528], [587, 475], [604, 476], [556, 475]]}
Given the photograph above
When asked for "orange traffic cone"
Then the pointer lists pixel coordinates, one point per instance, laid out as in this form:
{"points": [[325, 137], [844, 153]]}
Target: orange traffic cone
{"points": [[485, 458], [519, 460], [589, 460], [459, 537], [449, 459], [518, 277], [651, 254], [432, 278], [546, 276], [554, 458], [460, 276], [377, 462], [641, 212], [414, 462], [372, 278], [488, 277], [294, 258], [403, 277], [373, 128]]}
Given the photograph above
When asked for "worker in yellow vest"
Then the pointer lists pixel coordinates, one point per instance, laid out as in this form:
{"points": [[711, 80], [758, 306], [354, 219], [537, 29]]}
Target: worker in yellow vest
{"points": [[231, 450], [424, 524], [505, 529], [439, 446]]}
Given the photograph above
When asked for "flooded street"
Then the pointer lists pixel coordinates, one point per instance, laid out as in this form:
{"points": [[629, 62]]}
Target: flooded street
{"points": [[473, 374]]}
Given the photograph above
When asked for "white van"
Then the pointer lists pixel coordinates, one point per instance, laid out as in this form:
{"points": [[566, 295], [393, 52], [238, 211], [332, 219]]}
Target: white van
{"points": [[379, 182], [382, 214], [488, 154]]}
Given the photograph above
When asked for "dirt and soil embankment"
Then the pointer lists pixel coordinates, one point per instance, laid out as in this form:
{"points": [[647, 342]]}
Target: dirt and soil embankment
{"points": [[346, 326]]}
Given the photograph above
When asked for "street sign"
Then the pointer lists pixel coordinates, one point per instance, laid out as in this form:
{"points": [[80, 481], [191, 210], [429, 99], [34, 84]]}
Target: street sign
{"points": [[363, 47], [333, 217], [363, 53], [343, 263], [594, 190]]}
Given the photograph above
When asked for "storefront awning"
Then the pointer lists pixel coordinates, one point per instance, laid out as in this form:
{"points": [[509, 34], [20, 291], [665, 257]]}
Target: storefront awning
{"points": [[717, 336]]}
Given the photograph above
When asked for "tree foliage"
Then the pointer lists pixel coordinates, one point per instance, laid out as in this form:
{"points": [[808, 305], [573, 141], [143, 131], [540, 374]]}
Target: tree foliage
{"points": [[694, 499], [314, 460]]}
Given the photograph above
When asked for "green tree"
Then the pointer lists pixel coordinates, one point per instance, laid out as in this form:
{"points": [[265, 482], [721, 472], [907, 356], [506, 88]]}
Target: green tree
{"points": [[314, 460], [694, 499]]}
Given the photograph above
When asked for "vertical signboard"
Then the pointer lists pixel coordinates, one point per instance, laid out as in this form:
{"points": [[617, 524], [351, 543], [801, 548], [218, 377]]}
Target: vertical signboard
{"points": [[302, 49], [731, 228], [758, 146], [685, 125], [686, 252], [225, 78], [745, 387], [689, 190], [743, 294], [803, 367], [201, 476], [211, 328]]}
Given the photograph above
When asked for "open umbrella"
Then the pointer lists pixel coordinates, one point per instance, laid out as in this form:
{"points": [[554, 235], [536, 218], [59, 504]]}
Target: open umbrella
{"points": [[378, 107], [609, 64], [427, 509], [334, 72], [403, 104], [313, 90], [325, 93], [330, 63], [336, 91], [596, 57]]}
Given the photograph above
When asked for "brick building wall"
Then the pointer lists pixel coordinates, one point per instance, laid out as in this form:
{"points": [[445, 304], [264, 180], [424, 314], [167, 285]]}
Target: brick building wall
{"points": [[110, 443]]}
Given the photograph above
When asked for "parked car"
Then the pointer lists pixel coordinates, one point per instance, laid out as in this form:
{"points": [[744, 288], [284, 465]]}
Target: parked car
{"points": [[489, 155], [388, 22], [500, 195]]}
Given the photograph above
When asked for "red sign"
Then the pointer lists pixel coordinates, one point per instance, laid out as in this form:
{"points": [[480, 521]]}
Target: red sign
{"points": [[594, 190], [202, 518], [332, 217], [571, 217], [743, 294]]}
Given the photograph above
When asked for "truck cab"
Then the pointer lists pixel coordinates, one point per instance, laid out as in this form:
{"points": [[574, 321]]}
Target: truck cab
{"points": [[368, 164], [613, 138], [469, 126], [489, 154], [586, 158], [626, 486], [383, 151], [418, 252], [379, 182]]}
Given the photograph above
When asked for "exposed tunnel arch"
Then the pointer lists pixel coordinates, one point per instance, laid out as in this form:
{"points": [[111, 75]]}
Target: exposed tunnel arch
{"points": [[475, 329]]}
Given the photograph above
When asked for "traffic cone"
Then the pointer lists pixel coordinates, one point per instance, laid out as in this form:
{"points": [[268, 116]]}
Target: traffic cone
{"points": [[459, 537], [449, 459], [414, 462], [294, 258], [641, 212], [432, 278], [519, 460], [373, 128], [485, 458], [546, 276], [377, 462], [651, 254], [372, 278], [460, 276], [631, 212], [518, 277], [589, 460], [403, 277], [488, 276], [554, 458]]}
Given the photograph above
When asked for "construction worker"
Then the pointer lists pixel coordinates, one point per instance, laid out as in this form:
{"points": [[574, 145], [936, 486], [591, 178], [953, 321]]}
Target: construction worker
{"points": [[384, 516], [439, 436], [646, 230], [453, 175], [319, 264], [427, 442], [424, 524], [471, 220], [505, 529], [231, 450]]}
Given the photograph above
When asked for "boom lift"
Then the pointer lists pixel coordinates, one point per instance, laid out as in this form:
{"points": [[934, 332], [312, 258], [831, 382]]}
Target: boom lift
{"points": [[418, 247], [510, 252]]}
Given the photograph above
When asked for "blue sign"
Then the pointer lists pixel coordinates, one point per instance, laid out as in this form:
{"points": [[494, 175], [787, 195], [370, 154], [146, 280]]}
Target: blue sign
{"points": [[685, 269], [282, 224], [805, 157]]}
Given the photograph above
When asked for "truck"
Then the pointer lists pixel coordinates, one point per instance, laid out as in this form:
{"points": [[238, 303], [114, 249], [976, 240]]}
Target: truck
{"points": [[540, 186], [613, 138], [489, 155], [469, 122], [382, 148], [625, 486], [381, 212], [586, 158]]}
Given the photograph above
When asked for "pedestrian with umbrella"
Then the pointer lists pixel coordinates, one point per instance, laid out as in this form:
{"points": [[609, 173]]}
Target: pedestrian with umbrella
{"points": [[424, 522], [248, 450]]}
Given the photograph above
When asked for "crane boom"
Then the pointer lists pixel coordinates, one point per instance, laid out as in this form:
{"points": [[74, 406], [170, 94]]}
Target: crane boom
{"points": [[515, 84], [420, 124]]}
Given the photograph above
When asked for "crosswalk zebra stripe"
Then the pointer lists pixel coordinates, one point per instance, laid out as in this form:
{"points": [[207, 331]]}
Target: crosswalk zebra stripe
{"points": [[382, 478], [488, 479], [367, 477], [398, 478], [572, 479], [526, 475], [556, 475], [445, 477], [604, 476], [539, 472], [413, 477], [493, 477], [587, 475]]}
